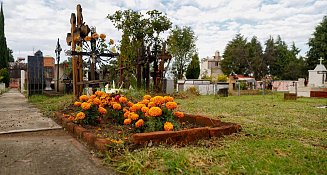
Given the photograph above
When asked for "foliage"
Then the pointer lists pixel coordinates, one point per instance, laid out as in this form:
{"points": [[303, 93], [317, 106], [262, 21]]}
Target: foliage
{"points": [[222, 78], [4, 76], [193, 91], [5, 54], [193, 69], [181, 42], [317, 45]]}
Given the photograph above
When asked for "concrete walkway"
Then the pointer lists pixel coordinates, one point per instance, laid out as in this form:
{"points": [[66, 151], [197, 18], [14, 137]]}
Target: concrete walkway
{"points": [[33, 145]]}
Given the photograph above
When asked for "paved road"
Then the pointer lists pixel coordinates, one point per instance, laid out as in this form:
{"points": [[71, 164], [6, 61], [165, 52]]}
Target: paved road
{"points": [[34, 145]]}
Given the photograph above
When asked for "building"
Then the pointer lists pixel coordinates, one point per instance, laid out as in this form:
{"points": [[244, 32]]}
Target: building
{"points": [[15, 69], [211, 66]]}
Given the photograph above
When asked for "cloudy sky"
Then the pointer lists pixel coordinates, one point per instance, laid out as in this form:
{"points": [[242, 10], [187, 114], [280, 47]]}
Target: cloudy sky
{"points": [[32, 25]]}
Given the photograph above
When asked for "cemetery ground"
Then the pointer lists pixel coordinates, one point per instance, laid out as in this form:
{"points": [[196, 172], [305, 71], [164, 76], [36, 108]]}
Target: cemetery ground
{"points": [[277, 137]]}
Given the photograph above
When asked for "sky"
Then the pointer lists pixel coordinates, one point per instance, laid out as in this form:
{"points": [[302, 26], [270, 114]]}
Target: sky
{"points": [[32, 25]]}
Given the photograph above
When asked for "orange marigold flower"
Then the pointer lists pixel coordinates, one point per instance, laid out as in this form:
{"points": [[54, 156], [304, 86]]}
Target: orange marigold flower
{"points": [[123, 100], [168, 99], [93, 96], [125, 109], [117, 106], [99, 93], [83, 98], [80, 115], [133, 116], [139, 123], [144, 109], [86, 106], [95, 36], [126, 114], [71, 118], [147, 97], [155, 111], [97, 101], [127, 121], [168, 126], [77, 103], [130, 104], [179, 114], [136, 107], [151, 104], [158, 100], [145, 102], [102, 110], [171, 105], [88, 38], [103, 36]]}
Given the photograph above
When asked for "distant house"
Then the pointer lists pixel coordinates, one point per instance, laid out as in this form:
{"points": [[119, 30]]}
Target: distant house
{"points": [[211, 66], [15, 72]]}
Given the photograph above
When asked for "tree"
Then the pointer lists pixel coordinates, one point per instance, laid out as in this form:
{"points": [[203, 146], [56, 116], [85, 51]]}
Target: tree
{"points": [[193, 69], [4, 76], [255, 59], [181, 45], [4, 54], [318, 45]]}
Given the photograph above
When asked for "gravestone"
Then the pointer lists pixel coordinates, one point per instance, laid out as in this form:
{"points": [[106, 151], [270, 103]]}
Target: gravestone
{"points": [[2, 86], [22, 81], [317, 77]]}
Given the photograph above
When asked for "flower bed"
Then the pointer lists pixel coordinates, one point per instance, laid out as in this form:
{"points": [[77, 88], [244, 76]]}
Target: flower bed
{"points": [[104, 119]]}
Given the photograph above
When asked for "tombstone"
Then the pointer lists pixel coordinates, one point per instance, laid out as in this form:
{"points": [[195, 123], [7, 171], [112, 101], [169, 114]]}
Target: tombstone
{"points": [[22, 81], [2, 86], [35, 74], [300, 83], [317, 77]]}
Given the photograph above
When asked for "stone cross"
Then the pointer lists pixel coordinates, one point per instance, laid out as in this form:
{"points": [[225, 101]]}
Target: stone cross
{"points": [[320, 60]]}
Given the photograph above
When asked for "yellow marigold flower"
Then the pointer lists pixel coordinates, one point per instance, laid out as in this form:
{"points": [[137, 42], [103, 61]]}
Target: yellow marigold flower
{"points": [[145, 109], [117, 106], [126, 114], [151, 104], [102, 110], [111, 41], [133, 116], [127, 121], [158, 100], [87, 38], [97, 101], [155, 111], [171, 105], [95, 36], [179, 114], [80, 116], [147, 97], [86, 106], [168, 126], [139, 123], [130, 104], [77, 103], [168, 99], [123, 100], [103, 36], [83, 98]]}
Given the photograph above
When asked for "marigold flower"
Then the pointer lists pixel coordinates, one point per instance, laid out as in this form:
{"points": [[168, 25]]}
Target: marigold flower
{"points": [[127, 121], [83, 98], [147, 97], [151, 104], [168, 126], [102, 110], [99, 93], [87, 38], [117, 106], [144, 109], [155, 111], [133, 116], [71, 118], [123, 100], [130, 104], [126, 114], [139, 123], [136, 107], [95, 36], [93, 96], [171, 105], [179, 114], [158, 100], [145, 102], [80, 115], [86, 106], [77, 103], [97, 101], [168, 99], [125, 109], [111, 41], [103, 36]]}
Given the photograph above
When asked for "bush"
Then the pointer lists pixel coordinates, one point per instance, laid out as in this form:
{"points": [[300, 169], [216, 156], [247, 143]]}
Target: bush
{"points": [[193, 91], [4, 76], [222, 78]]}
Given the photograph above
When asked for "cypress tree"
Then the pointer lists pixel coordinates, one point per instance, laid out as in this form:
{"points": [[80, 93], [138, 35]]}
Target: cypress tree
{"points": [[4, 54], [193, 69]]}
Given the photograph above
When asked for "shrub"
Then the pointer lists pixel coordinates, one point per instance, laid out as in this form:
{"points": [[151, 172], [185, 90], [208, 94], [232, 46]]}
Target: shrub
{"points": [[222, 78], [4, 76]]}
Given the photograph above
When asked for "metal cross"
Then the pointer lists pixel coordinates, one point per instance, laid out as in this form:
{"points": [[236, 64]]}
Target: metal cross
{"points": [[58, 50]]}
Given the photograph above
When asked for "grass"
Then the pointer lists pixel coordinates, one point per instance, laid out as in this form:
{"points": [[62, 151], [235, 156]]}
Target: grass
{"points": [[278, 137]]}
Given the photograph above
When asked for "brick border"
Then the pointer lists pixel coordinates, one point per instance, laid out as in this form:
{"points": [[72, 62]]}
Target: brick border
{"points": [[210, 128]]}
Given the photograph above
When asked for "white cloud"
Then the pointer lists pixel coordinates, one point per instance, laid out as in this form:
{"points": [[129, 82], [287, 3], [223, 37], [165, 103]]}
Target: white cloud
{"points": [[36, 24]]}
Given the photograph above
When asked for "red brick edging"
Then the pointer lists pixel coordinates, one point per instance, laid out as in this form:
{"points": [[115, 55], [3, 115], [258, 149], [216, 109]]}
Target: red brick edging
{"points": [[210, 128]]}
